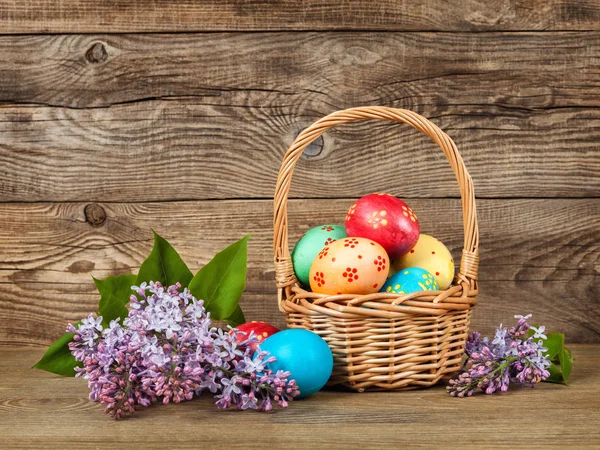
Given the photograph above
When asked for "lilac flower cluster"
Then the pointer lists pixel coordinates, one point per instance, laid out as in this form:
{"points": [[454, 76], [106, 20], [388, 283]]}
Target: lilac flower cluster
{"points": [[167, 350], [510, 357]]}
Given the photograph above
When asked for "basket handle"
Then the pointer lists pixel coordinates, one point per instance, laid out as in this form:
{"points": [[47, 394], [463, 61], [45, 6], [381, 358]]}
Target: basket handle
{"points": [[284, 271]]}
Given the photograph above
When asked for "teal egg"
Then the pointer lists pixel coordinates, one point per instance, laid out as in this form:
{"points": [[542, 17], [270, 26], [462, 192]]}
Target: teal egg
{"points": [[409, 280], [307, 248], [304, 354]]}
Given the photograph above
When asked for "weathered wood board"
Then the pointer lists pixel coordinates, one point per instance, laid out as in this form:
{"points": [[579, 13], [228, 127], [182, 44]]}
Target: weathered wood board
{"points": [[164, 150], [538, 256], [85, 16], [166, 117], [531, 70]]}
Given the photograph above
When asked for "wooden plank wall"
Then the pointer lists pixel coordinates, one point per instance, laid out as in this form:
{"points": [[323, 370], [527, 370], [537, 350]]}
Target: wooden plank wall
{"points": [[115, 118]]}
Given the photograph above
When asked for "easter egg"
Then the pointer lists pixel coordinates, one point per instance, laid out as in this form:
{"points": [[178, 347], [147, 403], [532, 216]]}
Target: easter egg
{"points": [[309, 247], [349, 266], [304, 354], [409, 280], [385, 219], [262, 330], [432, 255]]}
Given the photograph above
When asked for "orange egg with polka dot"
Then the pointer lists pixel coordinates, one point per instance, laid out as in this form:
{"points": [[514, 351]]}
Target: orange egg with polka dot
{"points": [[385, 219], [350, 266], [262, 330]]}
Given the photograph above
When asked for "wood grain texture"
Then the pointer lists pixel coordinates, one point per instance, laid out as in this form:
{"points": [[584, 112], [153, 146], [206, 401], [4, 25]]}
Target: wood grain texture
{"points": [[162, 117], [85, 16], [38, 409], [537, 256]]}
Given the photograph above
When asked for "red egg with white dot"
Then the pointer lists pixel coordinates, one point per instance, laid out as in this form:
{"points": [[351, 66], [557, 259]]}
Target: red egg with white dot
{"points": [[349, 266], [262, 330], [386, 220]]}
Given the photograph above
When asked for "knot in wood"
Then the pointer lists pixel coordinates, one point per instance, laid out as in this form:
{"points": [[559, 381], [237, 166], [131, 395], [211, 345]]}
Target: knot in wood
{"points": [[96, 53], [313, 149], [94, 214]]}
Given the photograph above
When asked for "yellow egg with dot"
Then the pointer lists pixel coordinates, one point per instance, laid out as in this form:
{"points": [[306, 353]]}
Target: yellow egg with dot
{"points": [[432, 255]]}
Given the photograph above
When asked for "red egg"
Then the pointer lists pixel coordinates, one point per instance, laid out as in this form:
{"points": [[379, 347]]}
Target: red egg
{"points": [[386, 220], [262, 330]]}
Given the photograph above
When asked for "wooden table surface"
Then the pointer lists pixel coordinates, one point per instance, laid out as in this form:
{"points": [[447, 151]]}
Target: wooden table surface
{"points": [[41, 410]]}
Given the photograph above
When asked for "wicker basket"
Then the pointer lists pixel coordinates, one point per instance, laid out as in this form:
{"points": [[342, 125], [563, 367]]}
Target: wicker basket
{"points": [[398, 341]]}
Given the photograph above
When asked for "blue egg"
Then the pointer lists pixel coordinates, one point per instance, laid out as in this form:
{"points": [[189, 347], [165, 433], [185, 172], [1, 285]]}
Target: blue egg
{"points": [[409, 280], [304, 354]]}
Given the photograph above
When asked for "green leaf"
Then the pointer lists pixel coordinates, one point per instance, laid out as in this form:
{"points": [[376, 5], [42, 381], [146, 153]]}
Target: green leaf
{"points": [[114, 296], [164, 264], [554, 343], [220, 283], [58, 358], [566, 363], [556, 375], [558, 354], [237, 318]]}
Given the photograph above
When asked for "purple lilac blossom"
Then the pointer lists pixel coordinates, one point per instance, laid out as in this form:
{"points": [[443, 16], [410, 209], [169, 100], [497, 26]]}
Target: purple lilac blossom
{"points": [[509, 357], [166, 350]]}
